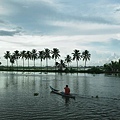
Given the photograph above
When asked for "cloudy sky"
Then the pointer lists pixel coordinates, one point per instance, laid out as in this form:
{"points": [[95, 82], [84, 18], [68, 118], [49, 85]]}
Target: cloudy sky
{"points": [[92, 25]]}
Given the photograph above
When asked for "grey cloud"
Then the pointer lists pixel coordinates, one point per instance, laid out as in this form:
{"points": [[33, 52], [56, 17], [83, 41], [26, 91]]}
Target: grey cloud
{"points": [[10, 32], [34, 16], [7, 33], [2, 22], [117, 10]]}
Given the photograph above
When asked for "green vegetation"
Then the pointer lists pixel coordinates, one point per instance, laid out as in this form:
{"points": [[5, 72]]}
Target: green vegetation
{"points": [[58, 66], [46, 54], [112, 67], [95, 70]]}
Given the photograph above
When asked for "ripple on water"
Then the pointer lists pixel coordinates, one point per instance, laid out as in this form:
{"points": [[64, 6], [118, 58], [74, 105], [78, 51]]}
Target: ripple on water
{"points": [[17, 100]]}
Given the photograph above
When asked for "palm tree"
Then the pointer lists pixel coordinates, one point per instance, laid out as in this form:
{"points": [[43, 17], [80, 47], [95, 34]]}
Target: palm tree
{"points": [[68, 59], [28, 56], [47, 56], [119, 65], [23, 55], [16, 55], [86, 56], [12, 59], [41, 56], [61, 65], [7, 56], [34, 55], [76, 56], [114, 66], [55, 54]]}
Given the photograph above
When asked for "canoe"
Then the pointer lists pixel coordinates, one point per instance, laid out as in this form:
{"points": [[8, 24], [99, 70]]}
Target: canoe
{"points": [[61, 93]]}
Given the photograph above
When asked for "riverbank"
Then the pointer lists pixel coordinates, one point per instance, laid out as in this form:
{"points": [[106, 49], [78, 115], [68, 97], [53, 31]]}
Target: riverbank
{"points": [[92, 70], [50, 69]]}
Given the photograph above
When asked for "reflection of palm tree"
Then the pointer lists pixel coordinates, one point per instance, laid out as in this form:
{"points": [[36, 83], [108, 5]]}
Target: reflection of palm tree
{"points": [[76, 56], [55, 54], [86, 56], [61, 65], [68, 59], [47, 56], [34, 55], [7, 56], [28, 56], [23, 55], [41, 56]]}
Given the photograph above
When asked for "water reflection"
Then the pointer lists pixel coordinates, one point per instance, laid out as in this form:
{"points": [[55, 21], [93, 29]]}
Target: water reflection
{"points": [[85, 84], [7, 82], [76, 83], [18, 100], [113, 74], [67, 100]]}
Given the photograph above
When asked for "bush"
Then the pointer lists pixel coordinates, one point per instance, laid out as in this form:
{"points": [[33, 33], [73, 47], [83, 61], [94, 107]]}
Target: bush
{"points": [[95, 70]]}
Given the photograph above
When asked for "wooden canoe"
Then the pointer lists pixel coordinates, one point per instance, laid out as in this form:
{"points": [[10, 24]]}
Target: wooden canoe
{"points": [[61, 93]]}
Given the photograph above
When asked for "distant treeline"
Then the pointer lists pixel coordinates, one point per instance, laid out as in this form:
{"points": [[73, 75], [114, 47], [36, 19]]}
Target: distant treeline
{"points": [[46, 54]]}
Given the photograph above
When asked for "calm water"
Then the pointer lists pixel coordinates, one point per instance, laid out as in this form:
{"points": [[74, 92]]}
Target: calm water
{"points": [[17, 100]]}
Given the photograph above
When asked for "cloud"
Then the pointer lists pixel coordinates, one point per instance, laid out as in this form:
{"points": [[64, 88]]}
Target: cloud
{"points": [[2, 22], [53, 17], [35, 15], [117, 9], [10, 31]]}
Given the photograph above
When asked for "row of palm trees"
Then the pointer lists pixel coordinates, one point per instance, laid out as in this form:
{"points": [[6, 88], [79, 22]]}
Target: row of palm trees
{"points": [[46, 54]]}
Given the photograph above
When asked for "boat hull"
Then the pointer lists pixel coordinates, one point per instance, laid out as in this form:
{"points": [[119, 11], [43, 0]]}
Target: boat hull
{"points": [[61, 93]]}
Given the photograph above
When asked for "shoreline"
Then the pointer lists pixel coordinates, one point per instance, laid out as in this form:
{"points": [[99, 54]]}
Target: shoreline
{"points": [[58, 71], [50, 69]]}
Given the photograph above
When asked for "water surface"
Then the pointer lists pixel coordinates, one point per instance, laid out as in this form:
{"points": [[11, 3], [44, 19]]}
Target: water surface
{"points": [[17, 100]]}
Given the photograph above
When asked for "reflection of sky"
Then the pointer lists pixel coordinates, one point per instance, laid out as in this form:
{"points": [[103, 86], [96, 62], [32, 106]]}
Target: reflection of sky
{"points": [[18, 100], [67, 25], [80, 84]]}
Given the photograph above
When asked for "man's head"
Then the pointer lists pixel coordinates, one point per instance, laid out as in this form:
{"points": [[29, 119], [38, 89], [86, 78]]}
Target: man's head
{"points": [[66, 85]]}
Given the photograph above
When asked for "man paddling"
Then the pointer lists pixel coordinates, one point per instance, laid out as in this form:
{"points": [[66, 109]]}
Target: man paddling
{"points": [[67, 90]]}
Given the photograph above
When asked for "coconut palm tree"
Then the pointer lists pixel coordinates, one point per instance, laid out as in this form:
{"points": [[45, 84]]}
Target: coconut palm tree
{"points": [[12, 59], [47, 56], [55, 54], [28, 56], [34, 55], [16, 55], [23, 55], [119, 65], [86, 56], [68, 59], [76, 56], [41, 56], [61, 65], [7, 56], [114, 66]]}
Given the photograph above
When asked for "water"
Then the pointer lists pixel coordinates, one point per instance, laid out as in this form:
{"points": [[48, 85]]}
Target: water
{"points": [[17, 100]]}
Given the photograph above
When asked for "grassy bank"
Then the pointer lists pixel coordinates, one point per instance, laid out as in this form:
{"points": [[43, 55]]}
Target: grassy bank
{"points": [[50, 69]]}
